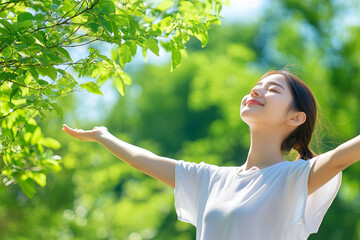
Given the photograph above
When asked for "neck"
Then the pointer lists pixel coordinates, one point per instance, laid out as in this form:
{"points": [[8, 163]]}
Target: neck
{"points": [[265, 149]]}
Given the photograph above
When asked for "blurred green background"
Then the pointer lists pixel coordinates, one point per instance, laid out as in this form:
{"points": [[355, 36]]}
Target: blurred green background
{"points": [[193, 114]]}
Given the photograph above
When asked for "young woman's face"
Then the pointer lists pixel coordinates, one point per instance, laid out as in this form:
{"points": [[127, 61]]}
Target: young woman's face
{"points": [[274, 98]]}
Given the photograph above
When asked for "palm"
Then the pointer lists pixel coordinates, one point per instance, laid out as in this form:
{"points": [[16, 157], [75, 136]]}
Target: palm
{"points": [[88, 135]]}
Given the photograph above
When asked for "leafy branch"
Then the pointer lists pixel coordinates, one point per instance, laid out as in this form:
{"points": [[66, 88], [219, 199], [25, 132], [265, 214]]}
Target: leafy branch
{"points": [[66, 21], [36, 46]]}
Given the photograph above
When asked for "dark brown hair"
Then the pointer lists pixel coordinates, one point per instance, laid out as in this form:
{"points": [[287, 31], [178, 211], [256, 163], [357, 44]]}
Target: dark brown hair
{"points": [[303, 101]]}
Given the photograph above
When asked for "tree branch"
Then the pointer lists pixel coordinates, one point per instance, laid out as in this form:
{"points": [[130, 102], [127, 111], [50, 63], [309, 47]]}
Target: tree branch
{"points": [[7, 4], [10, 75], [20, 129], [62, 17], [1, 49], [24, 106], [83, 43], [68, 19], [19, 84]]}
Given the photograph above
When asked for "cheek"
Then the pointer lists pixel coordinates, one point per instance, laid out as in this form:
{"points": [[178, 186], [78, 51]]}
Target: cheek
{"points": [[244, 99], [278, 108]]}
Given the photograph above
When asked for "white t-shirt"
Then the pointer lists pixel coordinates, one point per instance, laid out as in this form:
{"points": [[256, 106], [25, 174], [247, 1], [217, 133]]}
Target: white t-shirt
{"points": [[270, 203]]}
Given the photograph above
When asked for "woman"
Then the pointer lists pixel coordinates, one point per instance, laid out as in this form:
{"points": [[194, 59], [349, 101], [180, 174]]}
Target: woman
{"points": [[267, 197]]}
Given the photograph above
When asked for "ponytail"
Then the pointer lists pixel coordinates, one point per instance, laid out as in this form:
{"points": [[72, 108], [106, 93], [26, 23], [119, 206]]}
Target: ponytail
{"points": [[304, 153]]}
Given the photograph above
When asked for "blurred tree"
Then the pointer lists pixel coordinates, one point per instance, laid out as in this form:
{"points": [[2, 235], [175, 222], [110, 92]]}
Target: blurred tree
{"points": [[34, 63]]}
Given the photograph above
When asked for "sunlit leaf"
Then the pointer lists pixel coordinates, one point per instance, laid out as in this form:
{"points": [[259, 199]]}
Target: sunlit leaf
{"points": [[39, 178], [27, 185], [120, 86], [175, 58], [51, 164], [91, 87], [50, 143], [25, 16], [152, 45]]}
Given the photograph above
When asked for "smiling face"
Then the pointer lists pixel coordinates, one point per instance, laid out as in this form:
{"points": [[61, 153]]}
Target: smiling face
{"points": [[274, 94]]}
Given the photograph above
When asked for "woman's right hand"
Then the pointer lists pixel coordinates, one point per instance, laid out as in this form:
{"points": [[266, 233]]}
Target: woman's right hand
{"points": [[89, 135]]}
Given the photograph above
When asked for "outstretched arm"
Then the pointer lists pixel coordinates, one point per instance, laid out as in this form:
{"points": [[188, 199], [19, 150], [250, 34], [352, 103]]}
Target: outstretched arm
{"points": [[329, 164], [160, 168]]}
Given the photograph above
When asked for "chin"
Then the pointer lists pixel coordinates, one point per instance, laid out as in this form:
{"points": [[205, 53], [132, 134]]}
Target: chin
{"points": [[245, 118], [251, 118]]}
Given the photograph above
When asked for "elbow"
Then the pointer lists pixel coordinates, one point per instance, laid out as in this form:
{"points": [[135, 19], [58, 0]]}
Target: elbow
{"points": [[139, 160], [339, 160]]}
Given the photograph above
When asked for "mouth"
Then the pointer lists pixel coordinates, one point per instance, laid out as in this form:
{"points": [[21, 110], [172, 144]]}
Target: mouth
{"points": [[254, 102]]}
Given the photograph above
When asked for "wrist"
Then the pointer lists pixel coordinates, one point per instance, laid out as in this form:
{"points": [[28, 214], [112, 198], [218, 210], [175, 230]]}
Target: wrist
{"points": [[100, 137]]}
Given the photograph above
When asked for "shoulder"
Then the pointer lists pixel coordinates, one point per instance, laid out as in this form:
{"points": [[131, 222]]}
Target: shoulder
{"points": [[295, 169]]}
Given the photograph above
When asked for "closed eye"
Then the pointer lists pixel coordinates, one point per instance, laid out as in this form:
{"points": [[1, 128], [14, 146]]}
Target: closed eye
{"points": [[273, 90]]}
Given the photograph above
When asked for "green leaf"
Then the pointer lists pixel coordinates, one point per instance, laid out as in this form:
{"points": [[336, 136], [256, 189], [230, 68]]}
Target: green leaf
{"points": [[47, 71], [27, 185], [106, 23], [175, 58], [91, 87], [36, 136], [164, 25], [64, 52], [152, 44], [125, 54], [115, 29], [28, 39], [126, 78], [203, 37], [133, 47], [33, 72], [39, 178], [166, 46], [25, 24], [51, 164], [51, 72], [30, 98], [41, 37], [120, 85], [66, 7], [121, 81], [165, 5], [57, 109], [107, 7], [200, 32], [50, 143], [94, 27], [42, 115], [54, 57], [8, 26], [40, 17], [14, 89]]}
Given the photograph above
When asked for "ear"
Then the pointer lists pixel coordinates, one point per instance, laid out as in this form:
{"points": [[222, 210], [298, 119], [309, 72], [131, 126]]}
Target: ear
{"points": [[296, 119]]}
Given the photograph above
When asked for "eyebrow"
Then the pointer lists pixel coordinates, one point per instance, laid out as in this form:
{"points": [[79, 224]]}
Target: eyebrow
{"points": [[273, 83]]}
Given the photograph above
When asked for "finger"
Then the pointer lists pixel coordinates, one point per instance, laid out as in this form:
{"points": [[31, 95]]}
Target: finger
{"points": [[66, 127], [69, 130]]}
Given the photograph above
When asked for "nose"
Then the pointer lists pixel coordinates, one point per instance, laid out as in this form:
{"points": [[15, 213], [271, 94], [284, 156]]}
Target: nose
{"points": [[255, 92]]}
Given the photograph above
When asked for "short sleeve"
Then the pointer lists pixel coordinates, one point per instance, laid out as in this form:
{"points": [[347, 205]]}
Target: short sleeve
{"points": [[319, 202], [191, 189]]}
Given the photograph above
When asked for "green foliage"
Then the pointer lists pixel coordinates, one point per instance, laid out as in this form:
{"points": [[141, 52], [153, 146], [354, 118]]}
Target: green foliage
{"points": [[36, 66]]}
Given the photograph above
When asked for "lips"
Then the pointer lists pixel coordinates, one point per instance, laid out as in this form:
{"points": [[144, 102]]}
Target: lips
{"points": [[254, 102]]}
